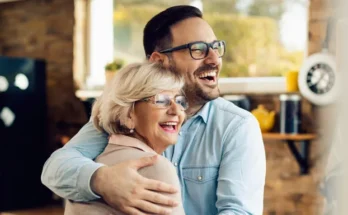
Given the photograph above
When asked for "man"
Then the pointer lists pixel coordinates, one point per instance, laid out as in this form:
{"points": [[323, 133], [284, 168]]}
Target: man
{"points": [[219, 157]]}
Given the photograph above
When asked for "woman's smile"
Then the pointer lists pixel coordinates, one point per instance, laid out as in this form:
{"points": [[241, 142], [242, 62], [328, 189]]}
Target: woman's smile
{"points": [[170, 126]]}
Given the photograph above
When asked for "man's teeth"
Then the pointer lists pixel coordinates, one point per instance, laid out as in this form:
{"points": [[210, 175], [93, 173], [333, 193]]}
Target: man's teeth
{"points": [[207, 74]]}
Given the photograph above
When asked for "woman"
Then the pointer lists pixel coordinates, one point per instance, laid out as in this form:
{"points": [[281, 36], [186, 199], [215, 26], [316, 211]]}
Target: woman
{"points": [[142, 110]]}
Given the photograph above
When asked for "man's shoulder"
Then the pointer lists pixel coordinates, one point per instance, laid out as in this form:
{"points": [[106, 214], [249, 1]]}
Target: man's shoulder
{"points": [[223, 108], [224, 115]]}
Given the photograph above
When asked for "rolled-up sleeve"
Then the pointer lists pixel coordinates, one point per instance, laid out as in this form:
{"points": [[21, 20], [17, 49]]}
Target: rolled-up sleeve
{"points": [[69, 170], [242, 170]]}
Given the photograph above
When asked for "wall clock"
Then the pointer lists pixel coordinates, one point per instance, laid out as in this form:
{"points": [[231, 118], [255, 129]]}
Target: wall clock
{"points": [[318, 79]]}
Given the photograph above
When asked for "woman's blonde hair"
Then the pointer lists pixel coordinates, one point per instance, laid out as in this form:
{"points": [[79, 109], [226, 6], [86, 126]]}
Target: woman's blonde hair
{"points": [[132, 83]]}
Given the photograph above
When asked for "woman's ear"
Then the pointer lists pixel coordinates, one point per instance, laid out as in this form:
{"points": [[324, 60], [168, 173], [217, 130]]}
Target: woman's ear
{"points": [[130, 119], [129, 123]]}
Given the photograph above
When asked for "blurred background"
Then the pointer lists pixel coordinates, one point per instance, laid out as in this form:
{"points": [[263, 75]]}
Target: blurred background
{"points": [[285, 61]]}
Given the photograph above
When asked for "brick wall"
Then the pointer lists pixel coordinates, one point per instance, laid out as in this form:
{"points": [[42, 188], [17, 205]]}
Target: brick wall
{"points": [[44, 29]]}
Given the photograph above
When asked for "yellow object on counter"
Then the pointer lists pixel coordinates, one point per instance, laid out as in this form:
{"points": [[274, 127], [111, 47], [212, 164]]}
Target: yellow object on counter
{"points": [[264, 117], [109, 75], [292, 81]]}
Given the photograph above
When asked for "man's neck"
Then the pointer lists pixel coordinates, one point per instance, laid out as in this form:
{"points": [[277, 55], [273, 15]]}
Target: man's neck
{"points": [[192, 110]]}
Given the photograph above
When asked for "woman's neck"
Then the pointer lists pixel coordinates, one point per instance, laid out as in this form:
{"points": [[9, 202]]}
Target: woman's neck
{"points": [[157, 148]]}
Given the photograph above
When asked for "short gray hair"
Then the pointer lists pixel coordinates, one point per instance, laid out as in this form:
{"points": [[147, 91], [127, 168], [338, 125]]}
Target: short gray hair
{"points": [[132, 83]]}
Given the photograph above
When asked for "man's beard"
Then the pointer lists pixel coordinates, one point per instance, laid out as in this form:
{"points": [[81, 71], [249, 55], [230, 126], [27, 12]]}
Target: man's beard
{"points": [[194, 91]]}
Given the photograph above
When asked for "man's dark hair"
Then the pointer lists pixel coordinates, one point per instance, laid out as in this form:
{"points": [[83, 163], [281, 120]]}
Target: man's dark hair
{"points": [[157, 35]]}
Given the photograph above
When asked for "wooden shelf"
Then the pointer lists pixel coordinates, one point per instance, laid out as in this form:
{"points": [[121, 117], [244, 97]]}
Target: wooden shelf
{"points": [[292, 137], [300, 153]]}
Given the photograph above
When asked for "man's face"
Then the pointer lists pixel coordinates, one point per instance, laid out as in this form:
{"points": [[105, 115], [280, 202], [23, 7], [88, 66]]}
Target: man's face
{"points": [[201, 84]]}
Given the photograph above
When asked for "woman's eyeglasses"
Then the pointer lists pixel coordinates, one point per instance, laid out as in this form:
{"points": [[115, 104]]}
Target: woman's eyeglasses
{"points": [[200, 50], [164, 101]]}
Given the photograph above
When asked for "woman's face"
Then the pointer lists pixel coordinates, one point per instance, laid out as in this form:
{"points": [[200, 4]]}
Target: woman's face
{"points": [[157, 124]]}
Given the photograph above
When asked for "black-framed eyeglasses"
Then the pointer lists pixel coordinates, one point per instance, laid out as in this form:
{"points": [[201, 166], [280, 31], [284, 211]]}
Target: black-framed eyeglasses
{"points": [[200, 50], [164, 101]]}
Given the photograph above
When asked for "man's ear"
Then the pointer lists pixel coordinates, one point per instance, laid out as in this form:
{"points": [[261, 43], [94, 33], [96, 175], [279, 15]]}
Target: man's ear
{"points": [[159, 58]]}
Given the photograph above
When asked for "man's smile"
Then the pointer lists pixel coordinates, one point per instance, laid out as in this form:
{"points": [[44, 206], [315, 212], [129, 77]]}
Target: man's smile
{"points": [[208, 78]]}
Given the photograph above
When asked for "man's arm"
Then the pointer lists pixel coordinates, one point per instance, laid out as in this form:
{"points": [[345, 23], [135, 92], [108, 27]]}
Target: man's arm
{"points": [[71, 173], [242, 171], [68, 170]]}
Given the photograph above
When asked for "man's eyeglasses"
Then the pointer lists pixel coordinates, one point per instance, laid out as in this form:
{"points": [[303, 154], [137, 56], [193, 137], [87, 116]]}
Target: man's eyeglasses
{"points": [[164, 101], [200, 50]]}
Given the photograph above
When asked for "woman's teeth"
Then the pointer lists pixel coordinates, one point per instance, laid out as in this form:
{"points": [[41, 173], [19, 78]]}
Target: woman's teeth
{"points": [[169, 125]]}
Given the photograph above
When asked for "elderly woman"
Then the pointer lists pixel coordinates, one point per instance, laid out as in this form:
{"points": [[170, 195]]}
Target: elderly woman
{"points": [[142, 110]]}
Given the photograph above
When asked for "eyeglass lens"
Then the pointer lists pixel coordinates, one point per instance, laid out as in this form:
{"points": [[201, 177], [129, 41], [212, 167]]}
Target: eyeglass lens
{"points": [[164, 101], [200, 50]]}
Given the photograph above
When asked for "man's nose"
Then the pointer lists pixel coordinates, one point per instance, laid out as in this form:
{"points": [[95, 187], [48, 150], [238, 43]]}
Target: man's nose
{"points": [[213, 58]]}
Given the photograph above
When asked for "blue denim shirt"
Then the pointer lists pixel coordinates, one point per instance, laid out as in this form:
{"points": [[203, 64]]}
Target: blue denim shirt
{"points": [[219, 156]]}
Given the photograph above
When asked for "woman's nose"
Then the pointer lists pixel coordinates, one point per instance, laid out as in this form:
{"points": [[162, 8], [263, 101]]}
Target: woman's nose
{"points": [[174, 108]]}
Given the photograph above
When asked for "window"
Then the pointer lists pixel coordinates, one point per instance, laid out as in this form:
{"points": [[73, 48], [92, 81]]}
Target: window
{"points": [[264, 38]]}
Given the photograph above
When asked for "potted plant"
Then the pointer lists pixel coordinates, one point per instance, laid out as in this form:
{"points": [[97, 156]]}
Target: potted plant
{"points": [[112, 67]]}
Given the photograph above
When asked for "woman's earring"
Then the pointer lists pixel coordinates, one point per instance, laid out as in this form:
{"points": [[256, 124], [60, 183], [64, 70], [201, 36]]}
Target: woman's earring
{"points": [[131, 130]]}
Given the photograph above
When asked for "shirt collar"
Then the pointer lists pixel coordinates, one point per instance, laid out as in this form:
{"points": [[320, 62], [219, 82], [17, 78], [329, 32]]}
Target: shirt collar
{"points": [[123, 140], [204, 112]]}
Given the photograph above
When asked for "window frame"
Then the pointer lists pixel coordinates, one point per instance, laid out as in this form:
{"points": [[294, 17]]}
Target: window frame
{"points": [[231, 85]]}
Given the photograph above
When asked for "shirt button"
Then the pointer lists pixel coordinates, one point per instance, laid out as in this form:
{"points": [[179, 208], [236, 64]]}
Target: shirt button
{"points": [[199, 178], [175, 164]]}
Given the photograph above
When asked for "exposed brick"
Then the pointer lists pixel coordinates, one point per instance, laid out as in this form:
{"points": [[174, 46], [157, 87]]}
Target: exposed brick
{"points": [[45, 30]]}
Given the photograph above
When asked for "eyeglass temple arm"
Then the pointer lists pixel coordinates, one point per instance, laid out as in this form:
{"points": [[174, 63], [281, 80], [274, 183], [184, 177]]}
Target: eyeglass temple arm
{"points": [[175, 48]]}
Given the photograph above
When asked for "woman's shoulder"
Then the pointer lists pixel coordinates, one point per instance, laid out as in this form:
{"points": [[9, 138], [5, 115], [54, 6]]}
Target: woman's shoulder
{"points": [[164, 164], [117, 153], [162, 170]]}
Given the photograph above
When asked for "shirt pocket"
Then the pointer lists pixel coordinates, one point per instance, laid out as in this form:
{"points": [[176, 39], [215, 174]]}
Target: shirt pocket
{"points": [[200, 175], [200, 184]]}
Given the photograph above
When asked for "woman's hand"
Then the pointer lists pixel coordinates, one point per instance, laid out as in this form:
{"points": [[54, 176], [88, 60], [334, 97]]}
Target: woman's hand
{"points": [[123, 188]]}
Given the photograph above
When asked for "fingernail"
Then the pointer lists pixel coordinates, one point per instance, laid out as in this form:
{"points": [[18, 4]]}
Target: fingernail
{"points": [[175, 203]]}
